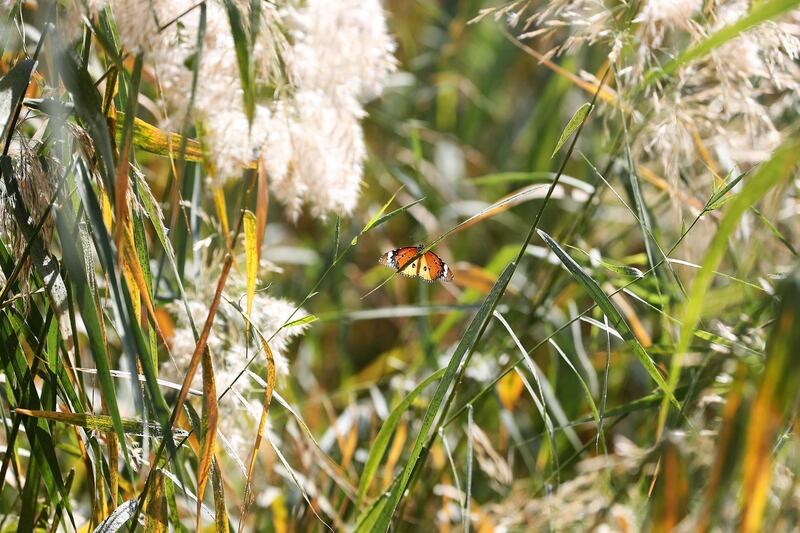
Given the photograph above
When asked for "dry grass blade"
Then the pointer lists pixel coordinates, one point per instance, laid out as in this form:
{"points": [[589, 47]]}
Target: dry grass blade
{"points": [[201, 343], [262, 424], [209, 425], [774, 403], [222, 215]]}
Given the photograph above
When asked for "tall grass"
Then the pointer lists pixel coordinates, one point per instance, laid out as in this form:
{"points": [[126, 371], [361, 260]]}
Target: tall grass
{"points": [[618, 351]]}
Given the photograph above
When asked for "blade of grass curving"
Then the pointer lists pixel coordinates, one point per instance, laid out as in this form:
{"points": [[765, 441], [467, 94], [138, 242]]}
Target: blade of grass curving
{"points": [[150, 205], [208, 429], [775, 231], [464, 349], [377, 216], [769, 174], [617, 321], [381, 442], [584, 386], [295, 479], [545, 394], [262, 424]]}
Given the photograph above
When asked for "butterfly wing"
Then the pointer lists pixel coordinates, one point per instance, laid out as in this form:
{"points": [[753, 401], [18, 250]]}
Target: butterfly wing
{"points": [[434, 268], [401, 259]]}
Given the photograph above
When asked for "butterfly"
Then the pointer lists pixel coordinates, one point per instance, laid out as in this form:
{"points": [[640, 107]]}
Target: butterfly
{"points": [[427, 266]]}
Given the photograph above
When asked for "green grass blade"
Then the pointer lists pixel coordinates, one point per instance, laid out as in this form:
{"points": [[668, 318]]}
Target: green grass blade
{"points": [[381, 442], [465, 347], [604, 302], [769, 174], [243, 58]]}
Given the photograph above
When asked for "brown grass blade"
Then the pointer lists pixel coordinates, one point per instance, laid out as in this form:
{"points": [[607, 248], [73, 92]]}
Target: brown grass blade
{"points": [[776, 397], [248, 496], [222, 215], [202, 341], [209, 424]]}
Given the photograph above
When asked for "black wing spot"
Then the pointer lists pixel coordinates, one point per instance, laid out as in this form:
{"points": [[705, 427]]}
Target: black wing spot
{"points": [[424, 268]]}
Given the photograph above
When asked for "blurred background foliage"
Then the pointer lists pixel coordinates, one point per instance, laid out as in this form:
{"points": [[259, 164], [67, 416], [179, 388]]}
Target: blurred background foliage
{"points": [[574, 434]]}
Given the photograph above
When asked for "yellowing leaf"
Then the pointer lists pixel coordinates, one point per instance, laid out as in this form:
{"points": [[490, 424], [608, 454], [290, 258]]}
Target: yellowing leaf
{"points": [[251, 256], [106, 209], [210, 417], [222, 215], [509, 389]]}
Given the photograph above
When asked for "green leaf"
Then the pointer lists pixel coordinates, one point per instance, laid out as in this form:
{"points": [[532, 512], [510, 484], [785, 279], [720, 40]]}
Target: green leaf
{"points": [[243, 57], [576, 120], [88, 108], [614, 316], [76, 267], [308, 319], [719, 198], [381, 442], [379, 217], [376, 216]]}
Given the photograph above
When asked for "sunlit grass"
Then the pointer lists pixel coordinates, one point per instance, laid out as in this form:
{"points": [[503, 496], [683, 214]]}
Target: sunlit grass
{"points": [[619, 347]]}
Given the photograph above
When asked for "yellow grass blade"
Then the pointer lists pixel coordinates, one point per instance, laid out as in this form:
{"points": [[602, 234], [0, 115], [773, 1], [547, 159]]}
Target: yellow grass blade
{"points": [[209, 424], [251, 256], [222, 216]]}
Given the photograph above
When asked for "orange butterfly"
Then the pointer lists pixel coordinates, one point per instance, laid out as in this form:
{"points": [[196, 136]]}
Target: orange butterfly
{"points": [[427, 266]]}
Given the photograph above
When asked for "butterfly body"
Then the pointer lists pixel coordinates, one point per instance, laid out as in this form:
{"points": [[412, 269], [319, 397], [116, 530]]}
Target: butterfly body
{"points": [[409, 261]]}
